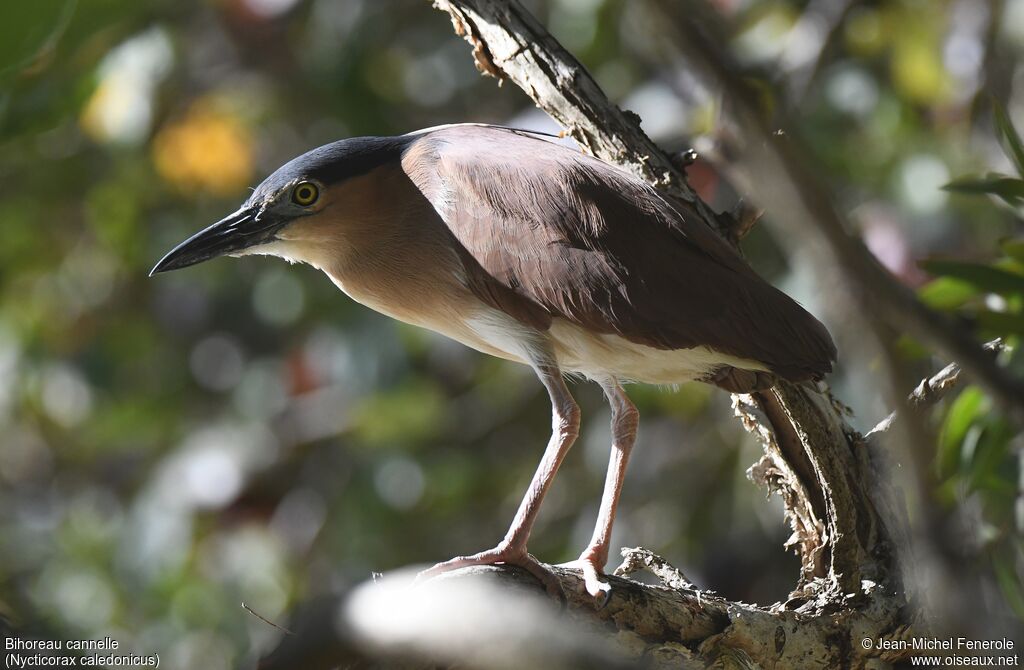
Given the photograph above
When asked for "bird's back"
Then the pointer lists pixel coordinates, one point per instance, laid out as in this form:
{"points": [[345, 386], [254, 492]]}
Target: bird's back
{"points": [[551, 234]]}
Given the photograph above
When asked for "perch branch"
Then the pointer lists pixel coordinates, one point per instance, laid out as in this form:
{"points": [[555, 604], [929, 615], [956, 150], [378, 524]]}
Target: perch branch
{"points": [[500, 617]]}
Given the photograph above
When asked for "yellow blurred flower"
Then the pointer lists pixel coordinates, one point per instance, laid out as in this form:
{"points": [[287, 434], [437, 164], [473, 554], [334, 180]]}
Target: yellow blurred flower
{"points": [[208, 149], [918, 72]]}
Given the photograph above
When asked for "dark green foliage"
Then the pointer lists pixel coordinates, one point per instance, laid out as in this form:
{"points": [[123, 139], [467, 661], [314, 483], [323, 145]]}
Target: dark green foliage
{"points": [[980, 452]]}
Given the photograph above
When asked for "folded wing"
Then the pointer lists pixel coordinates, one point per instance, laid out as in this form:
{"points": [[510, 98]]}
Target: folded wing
{"points": [[547, 231]]}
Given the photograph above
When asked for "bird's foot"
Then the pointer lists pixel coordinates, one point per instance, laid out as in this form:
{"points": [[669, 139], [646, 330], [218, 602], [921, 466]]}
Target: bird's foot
{"points": [[501, 555], [594, 580]]}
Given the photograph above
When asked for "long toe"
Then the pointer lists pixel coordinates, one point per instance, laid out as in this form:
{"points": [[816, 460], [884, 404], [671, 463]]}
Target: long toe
{"points": [[503, 556]]}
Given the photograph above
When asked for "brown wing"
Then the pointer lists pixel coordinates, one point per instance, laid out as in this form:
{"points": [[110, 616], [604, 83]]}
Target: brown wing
{"points": [[552, 232]]}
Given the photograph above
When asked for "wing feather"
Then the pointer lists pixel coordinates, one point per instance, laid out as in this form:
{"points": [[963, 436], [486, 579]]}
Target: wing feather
{"points": [[546, 231]]}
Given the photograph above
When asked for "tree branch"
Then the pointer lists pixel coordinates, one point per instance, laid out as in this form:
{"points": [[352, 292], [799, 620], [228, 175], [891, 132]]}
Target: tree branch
{"points": [[500, 617]]}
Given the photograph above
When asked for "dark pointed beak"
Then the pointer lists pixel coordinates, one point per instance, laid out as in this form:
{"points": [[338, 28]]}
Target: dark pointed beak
{"points": [[245, 228]]}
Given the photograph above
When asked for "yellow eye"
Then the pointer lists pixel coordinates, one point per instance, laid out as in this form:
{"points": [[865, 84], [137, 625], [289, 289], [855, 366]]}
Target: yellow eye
{"points": [[305, 193]]}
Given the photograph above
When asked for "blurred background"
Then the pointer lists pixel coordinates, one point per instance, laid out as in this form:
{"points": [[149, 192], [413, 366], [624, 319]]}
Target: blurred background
{"points": [[241, 431]]}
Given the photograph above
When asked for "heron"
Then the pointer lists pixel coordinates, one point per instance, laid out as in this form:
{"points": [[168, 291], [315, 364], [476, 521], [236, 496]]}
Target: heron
{"points": [[534, 252]]}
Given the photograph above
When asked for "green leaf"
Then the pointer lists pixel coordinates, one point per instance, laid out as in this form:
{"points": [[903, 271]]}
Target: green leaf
{"points": [[1009, 189], [946, 293], [968, 407], [991, 470], [983, 277], [1010, 137], [1001, 323]]}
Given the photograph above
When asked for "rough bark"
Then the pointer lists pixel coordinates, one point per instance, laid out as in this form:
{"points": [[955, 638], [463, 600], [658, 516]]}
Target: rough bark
{"points": [[495, 617]]}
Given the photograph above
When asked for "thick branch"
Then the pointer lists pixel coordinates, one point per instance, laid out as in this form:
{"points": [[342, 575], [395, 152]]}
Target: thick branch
{"points": [[498, 617]]}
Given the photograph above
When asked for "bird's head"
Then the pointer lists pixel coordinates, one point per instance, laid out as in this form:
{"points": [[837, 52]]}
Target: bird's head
{"points": [[296, 207]]}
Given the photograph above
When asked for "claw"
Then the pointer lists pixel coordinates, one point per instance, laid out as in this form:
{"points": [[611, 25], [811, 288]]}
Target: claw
{"points": [[594, 580], [596, 583]]}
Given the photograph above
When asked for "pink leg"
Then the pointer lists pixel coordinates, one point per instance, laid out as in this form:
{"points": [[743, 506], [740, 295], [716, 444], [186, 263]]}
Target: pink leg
{"points": [[625, 420], [512, 549]]}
